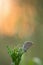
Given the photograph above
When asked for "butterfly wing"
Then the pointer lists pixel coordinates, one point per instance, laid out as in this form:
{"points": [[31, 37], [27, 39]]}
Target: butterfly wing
{"points": [[27, 45]]}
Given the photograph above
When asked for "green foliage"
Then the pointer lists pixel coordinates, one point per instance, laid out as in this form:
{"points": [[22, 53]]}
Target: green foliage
{"points": [[35, 61], [15, 54]]}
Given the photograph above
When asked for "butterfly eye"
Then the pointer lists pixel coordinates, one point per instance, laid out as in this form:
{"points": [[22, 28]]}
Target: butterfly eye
{"points": [[27, 45]]}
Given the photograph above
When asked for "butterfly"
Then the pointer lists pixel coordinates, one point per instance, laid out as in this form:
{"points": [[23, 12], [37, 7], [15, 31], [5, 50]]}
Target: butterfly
{"points": [[27, 45]]}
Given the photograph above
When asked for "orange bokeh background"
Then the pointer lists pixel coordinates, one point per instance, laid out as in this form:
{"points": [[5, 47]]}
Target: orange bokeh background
{"points": [[14, 20]]}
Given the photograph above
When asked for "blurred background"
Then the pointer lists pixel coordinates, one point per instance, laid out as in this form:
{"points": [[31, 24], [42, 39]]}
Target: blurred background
{"points": [[20, 21]]}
